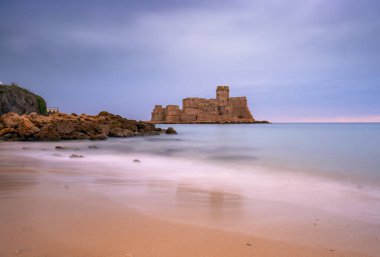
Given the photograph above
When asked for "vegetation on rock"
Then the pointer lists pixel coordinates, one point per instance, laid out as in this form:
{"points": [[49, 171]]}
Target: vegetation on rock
{"points": [[42, 109]]}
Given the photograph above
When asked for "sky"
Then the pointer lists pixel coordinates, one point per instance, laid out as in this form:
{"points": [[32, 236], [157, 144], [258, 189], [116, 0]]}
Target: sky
{"points": [[295, 60]]}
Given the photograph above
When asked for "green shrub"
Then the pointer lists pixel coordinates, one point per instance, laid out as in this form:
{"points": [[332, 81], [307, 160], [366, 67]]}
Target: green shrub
{"points": [[41, 105]]}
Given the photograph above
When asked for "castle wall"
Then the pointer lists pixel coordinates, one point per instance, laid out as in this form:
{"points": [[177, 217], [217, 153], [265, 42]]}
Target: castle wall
{"points": [[173, 113], [240, 108], [202, 110], [158, 114]]}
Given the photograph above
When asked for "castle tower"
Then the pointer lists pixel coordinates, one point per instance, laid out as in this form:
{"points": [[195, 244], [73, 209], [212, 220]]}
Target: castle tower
{"points": [[222, 95], [158, 113]]}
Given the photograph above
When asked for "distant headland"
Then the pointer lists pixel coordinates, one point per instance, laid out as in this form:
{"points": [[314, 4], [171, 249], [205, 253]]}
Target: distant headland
{"points": [[25, 117], [222, 109]]}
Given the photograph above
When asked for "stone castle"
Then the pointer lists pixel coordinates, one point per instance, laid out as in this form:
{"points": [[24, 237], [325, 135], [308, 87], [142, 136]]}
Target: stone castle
{"points": [[223, 109]]}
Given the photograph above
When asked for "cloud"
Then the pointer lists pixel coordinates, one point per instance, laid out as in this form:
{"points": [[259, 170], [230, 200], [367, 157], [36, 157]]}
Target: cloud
{"points": [[284, 55]]}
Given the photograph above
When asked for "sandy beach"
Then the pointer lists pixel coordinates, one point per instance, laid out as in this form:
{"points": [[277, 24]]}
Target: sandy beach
{"points": [[60, 210], [56, 220]]}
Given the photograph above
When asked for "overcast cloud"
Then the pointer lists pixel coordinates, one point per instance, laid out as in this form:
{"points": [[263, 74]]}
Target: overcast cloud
{"points": [[294, 60]]}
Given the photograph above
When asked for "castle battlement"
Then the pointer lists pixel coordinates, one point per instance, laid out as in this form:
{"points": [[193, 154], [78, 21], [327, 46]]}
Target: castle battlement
{"points": [[222, 109], [222, 88], [172, 107]]}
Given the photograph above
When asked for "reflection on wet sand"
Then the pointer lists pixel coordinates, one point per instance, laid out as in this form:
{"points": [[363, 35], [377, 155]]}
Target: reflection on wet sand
{"points": [[14, 181], [218, 204]]}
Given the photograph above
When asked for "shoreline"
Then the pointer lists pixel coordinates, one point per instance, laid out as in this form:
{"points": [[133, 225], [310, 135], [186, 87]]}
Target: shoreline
{"points": [[55, 220]]}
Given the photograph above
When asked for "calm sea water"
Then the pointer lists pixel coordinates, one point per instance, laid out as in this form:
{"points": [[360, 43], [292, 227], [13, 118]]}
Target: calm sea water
{"points": [[346, 151], [342, 151]]}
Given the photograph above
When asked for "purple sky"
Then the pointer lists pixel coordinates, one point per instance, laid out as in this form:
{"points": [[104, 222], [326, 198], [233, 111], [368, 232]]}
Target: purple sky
{"points": [[302, 60]]}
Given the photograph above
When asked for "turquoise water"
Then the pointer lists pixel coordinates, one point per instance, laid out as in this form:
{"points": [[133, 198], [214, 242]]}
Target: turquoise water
{"points": [[346, 151]]}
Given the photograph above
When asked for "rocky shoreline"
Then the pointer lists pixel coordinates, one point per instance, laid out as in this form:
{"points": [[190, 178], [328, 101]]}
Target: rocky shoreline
{"points": [[61, 126]]}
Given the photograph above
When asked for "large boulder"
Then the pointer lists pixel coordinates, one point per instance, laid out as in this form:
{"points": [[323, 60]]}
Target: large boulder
{"points": [[48, 133], [10, 120], [6, 131], [21, 124], [75, 135], [26, 128], [65, 127], [98, 137], [119, 132]]}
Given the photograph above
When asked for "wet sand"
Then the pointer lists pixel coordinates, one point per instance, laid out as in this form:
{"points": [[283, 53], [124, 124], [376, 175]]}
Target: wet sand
{"points": [[42, 217], [53, 220]]}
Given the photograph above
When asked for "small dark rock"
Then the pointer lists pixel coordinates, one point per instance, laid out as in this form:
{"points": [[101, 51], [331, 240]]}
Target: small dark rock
{"points": [[76, 156], [170, 130], [93, 147], [136, 161], [58, 147], [262, 122]]}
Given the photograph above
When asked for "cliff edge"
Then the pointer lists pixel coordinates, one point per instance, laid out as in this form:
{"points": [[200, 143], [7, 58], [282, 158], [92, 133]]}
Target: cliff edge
{"points": [[20, 100]]}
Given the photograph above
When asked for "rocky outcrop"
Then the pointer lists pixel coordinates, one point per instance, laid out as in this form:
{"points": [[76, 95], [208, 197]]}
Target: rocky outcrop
{"points": [[60, 126], [170, 130], [19, 100], [222, 109]]}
